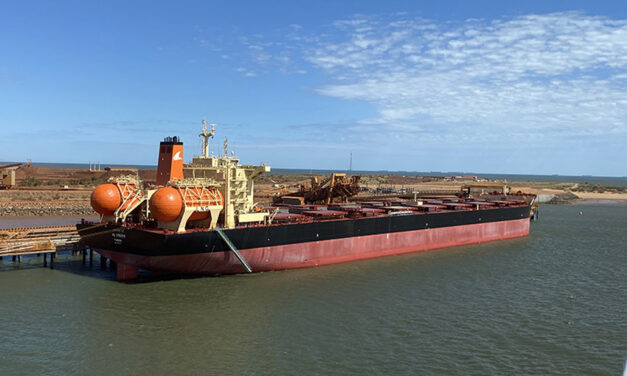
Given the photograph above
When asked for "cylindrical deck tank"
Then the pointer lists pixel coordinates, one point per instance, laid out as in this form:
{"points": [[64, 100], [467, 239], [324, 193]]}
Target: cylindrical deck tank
{"points": [[167, 203], [108, 197]]}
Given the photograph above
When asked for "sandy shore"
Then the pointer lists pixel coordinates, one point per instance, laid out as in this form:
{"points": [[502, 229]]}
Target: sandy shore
{"points": [[601, 196]]}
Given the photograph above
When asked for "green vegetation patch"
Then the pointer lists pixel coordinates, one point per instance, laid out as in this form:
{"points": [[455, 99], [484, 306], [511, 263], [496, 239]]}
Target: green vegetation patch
{"points": [[597, 188]]}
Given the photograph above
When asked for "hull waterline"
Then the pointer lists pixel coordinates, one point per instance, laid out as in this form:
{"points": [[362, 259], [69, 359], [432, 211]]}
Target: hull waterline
{"points": [[316, 253]]}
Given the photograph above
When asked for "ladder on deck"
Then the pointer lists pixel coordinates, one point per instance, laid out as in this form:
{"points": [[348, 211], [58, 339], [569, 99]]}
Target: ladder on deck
{"points": [[232, 247]]}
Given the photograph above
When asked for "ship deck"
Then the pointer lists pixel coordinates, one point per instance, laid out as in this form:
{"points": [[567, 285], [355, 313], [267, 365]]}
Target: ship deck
{"points": [[286, 214]]}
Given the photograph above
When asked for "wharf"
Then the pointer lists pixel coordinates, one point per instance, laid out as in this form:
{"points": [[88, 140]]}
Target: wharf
{"points": [[18, 242]]}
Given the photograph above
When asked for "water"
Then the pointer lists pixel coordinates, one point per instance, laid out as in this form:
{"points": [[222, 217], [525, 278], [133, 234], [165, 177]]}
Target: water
{"points": [[30, 221], [553, 303], [86, 165]]}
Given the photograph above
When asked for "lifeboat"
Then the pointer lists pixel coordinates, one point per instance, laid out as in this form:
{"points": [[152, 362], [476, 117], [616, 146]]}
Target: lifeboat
{"points": [[108, 198], [167, 203]]}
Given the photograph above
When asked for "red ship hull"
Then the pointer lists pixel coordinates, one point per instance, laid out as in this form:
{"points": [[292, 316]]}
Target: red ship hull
{"points": [[303, 255]]}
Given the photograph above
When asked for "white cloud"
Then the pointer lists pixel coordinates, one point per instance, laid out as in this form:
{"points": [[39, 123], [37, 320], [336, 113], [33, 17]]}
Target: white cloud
{"points": [[271, 56], [560, 73], [555, 84]]}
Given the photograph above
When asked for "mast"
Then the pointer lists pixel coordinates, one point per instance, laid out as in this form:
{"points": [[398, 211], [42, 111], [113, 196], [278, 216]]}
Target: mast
{"points": [[205, 138], [350, 168]]}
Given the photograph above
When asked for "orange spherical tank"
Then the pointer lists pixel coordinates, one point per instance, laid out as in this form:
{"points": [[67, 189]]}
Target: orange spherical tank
{"points": [[106, 198], [166, 204]]}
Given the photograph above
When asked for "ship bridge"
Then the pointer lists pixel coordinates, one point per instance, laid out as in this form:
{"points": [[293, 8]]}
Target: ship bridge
{"points": [[236, 181]]}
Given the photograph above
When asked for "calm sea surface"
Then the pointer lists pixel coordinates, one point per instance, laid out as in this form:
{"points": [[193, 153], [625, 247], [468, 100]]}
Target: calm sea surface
{"points": [[553, 303]]}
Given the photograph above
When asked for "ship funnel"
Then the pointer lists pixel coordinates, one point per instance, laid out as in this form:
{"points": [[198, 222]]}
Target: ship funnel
{"points": [[170, 165]]}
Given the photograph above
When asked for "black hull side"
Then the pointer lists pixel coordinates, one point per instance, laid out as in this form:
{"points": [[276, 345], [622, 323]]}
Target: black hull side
{"points": [[153, 243]]}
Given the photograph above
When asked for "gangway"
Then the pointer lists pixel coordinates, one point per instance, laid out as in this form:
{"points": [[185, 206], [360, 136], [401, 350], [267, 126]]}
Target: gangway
{"points": [[232, 247]]}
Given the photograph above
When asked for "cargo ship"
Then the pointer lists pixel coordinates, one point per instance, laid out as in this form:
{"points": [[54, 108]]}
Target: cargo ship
{"points": [[200, 218]]}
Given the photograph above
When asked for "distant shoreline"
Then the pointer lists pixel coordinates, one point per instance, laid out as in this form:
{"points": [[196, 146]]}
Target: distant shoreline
{"points": [[592, 179]]}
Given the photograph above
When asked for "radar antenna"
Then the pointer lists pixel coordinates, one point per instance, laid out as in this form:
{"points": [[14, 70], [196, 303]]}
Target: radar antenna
{"points": [[205, 137]]}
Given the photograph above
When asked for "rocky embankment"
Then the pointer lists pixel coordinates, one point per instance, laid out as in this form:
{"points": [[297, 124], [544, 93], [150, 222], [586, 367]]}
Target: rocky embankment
{"points": [[44, 209], [45, 203], [563, 198]]}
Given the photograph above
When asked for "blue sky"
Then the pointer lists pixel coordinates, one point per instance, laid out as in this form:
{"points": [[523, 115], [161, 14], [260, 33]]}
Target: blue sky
{"points": [[486, 86]]}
